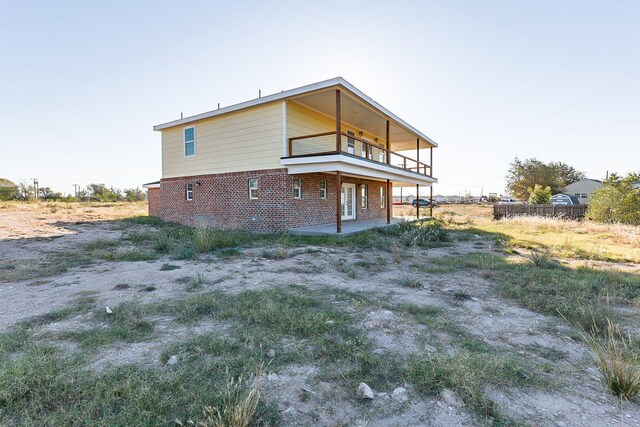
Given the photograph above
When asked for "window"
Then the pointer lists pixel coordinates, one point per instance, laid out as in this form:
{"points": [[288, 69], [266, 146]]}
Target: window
{"points": [[190, 141], [577, 194], [584, 195], [351, 143], [323, 189], [364, 196], [253, 188], [297, 188], [382, 198], [188, 191]]}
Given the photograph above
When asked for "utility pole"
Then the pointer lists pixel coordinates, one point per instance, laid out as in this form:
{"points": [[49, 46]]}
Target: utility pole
{"points": [[35, 187], [75, 190]]}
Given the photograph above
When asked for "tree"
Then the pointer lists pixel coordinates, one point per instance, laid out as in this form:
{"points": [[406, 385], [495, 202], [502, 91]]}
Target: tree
{"points": [[539, 195], [25, 191], [616, 200], [101, 193], [525, 174], [134, 195], [46, 193], [8, 190]]}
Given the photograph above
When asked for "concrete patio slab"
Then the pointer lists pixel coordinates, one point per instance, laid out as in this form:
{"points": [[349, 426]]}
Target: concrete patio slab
{"points": [[348, 227]]}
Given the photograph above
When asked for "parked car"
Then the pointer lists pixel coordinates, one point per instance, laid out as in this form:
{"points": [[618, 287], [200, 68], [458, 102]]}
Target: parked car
{"points": [[423, 202]]}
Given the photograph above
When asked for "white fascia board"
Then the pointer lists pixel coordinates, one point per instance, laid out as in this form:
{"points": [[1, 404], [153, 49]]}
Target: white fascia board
{"points": [[347, 164], [337, 81], [151, 185]]}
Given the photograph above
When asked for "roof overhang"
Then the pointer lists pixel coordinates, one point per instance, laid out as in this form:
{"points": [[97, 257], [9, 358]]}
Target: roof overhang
{"points": [[337, 82], [155, 184]]}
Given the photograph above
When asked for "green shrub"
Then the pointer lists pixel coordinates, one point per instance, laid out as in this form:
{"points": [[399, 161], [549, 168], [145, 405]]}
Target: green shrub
{"points": [[616, 201]]}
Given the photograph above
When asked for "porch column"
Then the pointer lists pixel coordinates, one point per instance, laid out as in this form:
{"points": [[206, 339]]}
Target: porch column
{"points": [[431, 200], [417, 201], [388, 145], [431, 161], [417, 155], [338, 122], [389, 201], [338, 209]]}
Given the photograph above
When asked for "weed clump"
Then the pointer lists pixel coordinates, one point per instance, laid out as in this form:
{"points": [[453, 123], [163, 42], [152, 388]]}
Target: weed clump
{"points": [[238, 404], [542, 260], [423, 234], [617, 360]]}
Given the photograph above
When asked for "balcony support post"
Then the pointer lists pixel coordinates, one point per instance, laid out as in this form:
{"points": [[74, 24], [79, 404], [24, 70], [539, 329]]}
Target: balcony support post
{"points": [[388, 156], [431, 200], [338, 205], [417, 155], [338, 122], [389, 201], [431, 161], [417, 201]]}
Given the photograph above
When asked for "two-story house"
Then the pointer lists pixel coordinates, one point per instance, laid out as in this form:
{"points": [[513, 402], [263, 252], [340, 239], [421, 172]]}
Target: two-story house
{"points": [[319, 154]]}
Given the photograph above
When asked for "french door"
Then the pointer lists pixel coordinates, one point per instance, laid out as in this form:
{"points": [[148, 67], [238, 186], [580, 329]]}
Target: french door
{"points": [[348, 201]]}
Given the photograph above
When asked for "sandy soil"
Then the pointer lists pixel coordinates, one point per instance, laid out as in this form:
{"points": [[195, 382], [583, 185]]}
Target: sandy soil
{"points": [[579, 399]]}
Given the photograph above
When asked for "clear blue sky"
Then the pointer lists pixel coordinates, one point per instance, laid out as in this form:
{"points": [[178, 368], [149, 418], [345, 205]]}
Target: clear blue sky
{"points": [[82, 83]]}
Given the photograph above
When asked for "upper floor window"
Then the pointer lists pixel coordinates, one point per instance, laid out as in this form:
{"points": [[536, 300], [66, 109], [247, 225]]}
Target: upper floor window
{"points": [[383, 201], [297, 188], [190, 141], [188, 191], [323, 189], [351, 143], [584, 195], [253, 188], [364, 196]]}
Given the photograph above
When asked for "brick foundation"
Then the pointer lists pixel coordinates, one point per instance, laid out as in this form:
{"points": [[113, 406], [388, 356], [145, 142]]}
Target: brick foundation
{"points": [[153, 201], [222, 201]]}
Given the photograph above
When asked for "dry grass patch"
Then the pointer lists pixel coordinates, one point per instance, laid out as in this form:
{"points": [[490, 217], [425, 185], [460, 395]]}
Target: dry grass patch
{"points": [[563, 238]]}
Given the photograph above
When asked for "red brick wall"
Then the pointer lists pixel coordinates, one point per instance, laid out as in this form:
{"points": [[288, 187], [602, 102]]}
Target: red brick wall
{"points": [[222, 201], [153, 201]]}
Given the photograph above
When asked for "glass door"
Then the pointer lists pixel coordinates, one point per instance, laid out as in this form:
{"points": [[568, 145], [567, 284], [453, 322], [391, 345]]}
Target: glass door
{"points": [[348, 201]]}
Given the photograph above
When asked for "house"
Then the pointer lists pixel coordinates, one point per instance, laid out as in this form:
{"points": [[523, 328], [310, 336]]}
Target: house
{"points": [[564, 199], [583, 189], [324, 153]]}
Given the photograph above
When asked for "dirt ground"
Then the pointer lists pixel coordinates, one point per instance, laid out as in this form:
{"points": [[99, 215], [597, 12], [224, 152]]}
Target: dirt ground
{"points": [[577, 399]]}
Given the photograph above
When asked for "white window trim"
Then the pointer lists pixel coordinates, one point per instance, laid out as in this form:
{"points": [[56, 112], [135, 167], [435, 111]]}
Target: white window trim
{"points": [[383, 198], [257, 188], [184, 142], [188, 192], [364, 196], [299, 182], [323, 189]]}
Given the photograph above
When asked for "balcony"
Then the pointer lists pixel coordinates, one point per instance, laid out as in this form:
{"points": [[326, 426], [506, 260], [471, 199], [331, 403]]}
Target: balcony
{"points": [[328, 143]]}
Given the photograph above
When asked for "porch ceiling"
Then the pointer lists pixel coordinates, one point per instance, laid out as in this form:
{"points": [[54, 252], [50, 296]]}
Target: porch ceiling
{"points": [[361, 116]]}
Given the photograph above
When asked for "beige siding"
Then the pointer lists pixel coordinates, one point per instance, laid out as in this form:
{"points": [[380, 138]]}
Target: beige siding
{"points": [[249, 139], [305, 121]]}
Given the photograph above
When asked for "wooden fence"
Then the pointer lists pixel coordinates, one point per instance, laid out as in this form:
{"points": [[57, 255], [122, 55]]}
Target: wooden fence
{"points": [[559, 211]]}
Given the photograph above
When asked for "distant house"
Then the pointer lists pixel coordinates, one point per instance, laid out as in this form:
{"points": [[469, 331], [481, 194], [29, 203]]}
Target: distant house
{"points": [[319, 154], [564, 199], [583, 189]]}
